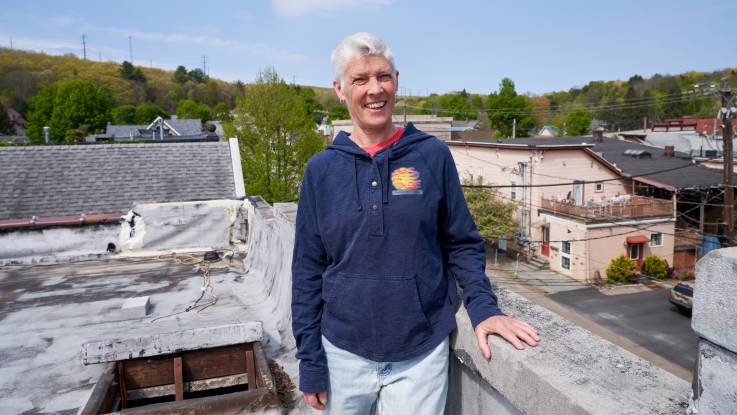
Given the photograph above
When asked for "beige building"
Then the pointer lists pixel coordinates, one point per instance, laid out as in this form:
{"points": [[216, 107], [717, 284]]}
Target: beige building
{"points": [[575, 209], [432, 124]]}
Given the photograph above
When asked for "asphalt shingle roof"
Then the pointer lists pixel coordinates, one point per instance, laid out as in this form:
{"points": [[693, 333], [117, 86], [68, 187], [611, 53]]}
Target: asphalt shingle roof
{"points": [[68, 180], [612, 150]]}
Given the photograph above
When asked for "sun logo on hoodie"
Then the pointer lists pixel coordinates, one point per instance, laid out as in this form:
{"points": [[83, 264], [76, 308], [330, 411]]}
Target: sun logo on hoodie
{"points": [[407, 181]]}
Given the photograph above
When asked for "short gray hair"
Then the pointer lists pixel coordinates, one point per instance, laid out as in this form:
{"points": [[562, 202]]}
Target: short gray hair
{"points": [[359, 44]]}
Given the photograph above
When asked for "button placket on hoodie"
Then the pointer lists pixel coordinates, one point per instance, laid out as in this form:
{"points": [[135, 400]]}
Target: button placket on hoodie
{"points": [[376, 218]]}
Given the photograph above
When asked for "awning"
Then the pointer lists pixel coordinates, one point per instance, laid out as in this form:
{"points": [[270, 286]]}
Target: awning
{"points": [[637, 239]]}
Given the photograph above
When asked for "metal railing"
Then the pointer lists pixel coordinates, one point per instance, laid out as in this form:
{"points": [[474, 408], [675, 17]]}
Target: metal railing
{"points": [[635, 207]]}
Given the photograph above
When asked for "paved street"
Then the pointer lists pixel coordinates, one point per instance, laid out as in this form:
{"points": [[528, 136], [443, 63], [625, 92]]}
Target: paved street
{"points": [[636, 317], [646, 318]]}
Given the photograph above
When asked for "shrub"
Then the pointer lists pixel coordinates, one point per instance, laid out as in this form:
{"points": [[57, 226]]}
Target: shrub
{"points": [[655, 267], [621, 269]]}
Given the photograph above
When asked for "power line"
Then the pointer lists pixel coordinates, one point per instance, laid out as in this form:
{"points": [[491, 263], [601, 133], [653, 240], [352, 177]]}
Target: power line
{"points": [[541, 111], [579, 181]]}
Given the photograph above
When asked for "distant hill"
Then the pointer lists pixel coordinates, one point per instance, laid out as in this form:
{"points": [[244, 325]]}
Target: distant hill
{"points": [[616, 104], [24, 73]]}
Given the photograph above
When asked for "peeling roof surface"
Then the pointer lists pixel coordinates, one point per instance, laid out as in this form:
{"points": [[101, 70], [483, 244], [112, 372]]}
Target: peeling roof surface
{"points": [[48, 312], [69, 180]]}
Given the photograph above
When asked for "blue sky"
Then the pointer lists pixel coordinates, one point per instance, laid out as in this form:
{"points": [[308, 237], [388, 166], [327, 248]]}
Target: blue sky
{"points": [[440, 46]]}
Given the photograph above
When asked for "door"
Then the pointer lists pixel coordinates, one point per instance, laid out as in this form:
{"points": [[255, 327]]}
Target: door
{"points": [[635, 251], [578, 193], [546, 241]]}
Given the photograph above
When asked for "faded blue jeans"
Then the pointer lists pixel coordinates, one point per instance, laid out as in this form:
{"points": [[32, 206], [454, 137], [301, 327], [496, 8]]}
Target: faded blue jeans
{"points": [[362, 386]]}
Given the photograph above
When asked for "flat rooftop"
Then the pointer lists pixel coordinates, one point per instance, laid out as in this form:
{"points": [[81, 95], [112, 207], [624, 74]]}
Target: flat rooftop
{"points": [[47, 312]]}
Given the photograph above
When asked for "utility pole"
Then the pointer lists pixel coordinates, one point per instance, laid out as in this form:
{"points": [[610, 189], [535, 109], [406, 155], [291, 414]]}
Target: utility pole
{"points": [[727, 110], [84, 47], [514, 128], [404, 106], [204, 64], [130, 49], [11, 42]]}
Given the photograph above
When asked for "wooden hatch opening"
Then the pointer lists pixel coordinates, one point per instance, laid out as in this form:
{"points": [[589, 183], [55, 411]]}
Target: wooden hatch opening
{"points": [[219, 380]]}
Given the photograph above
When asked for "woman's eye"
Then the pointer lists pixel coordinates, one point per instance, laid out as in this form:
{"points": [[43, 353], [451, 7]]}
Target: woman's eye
{"points": [[359, 81], [385, 78]]}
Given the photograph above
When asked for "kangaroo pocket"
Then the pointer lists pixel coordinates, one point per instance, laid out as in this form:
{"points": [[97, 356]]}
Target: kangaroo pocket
{"points": [[380, 315]]}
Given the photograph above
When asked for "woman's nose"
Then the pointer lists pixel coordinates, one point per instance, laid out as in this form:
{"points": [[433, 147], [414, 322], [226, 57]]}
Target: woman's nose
{"points": [[374, 86]]}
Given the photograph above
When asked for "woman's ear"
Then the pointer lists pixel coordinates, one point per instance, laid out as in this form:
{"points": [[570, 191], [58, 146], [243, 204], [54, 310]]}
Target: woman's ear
{"points": [[339, 91]]}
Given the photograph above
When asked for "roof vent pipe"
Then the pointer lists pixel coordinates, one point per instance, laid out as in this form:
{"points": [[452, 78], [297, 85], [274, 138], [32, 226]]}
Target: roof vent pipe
{"points": [[598, 135], [47, 133]]}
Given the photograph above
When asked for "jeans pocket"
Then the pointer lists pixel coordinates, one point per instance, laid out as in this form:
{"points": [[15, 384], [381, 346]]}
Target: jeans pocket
{"points": [[382, 312]]}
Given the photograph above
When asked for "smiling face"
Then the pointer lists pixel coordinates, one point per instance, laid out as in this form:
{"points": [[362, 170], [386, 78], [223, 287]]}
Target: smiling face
{"points": [[368, 88]]}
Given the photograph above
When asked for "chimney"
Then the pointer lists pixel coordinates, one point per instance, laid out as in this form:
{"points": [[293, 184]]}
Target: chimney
{"points": [[669, 151], [47, 133], [598, 135]]}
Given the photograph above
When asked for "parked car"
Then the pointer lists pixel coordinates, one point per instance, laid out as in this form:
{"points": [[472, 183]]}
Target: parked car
{"points": [[682, 295]]}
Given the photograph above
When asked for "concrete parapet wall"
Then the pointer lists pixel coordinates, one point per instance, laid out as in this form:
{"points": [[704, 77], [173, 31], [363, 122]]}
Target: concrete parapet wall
{"points": [[715, 298], [571, 371], [714, 319]]}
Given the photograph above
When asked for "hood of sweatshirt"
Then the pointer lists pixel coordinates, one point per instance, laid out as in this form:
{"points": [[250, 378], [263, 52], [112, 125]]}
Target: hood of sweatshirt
{"points": [[348, 148]]}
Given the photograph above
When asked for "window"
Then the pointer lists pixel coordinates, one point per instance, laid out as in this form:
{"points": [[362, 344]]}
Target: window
{"points": [[656, 239], [599, 187], [565, 255], [513, 191], [565, 263], [566, 247]]}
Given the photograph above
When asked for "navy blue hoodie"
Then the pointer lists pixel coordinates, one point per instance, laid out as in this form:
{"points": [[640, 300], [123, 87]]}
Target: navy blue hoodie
{"points": [[380, 243]]}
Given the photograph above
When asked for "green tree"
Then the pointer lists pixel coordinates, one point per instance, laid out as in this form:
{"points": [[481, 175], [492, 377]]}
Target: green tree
{"points": [[621, 269], [128, 71], [189, 108], [494, 217], [68, 105], [277, 136], [124, 115], [197, 75], [180, 75], [578, 123], [6, 127], [339, 112], [455, 104], [221, 112], [145, 113], [505, 106], [313, 107]]}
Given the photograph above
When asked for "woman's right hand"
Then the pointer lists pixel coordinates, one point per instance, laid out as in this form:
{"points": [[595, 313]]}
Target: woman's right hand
{"points": [[317, 400]]}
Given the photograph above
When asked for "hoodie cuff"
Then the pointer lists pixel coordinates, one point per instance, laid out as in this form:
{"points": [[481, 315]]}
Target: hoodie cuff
{"points": [[479, 314], [313, 381]]}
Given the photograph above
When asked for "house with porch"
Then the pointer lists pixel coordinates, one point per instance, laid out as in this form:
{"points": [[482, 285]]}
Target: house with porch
{"points": [[576, 210]]}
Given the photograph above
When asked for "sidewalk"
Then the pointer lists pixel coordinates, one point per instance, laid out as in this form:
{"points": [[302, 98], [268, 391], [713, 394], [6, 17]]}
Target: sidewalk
{"points": [[503, 272]]}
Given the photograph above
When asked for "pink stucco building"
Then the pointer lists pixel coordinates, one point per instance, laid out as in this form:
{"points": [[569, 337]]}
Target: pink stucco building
{"points": [[575, 208]]}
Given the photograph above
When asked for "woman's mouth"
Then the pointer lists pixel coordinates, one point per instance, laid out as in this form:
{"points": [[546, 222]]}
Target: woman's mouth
{"points": [[375, 105]]}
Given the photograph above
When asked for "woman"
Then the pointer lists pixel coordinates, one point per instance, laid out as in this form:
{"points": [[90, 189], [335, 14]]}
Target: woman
{"points": [[383, 235]]}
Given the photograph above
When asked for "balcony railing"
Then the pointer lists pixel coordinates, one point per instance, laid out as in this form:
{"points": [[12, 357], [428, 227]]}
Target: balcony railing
{"points": [[632, 207]]}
